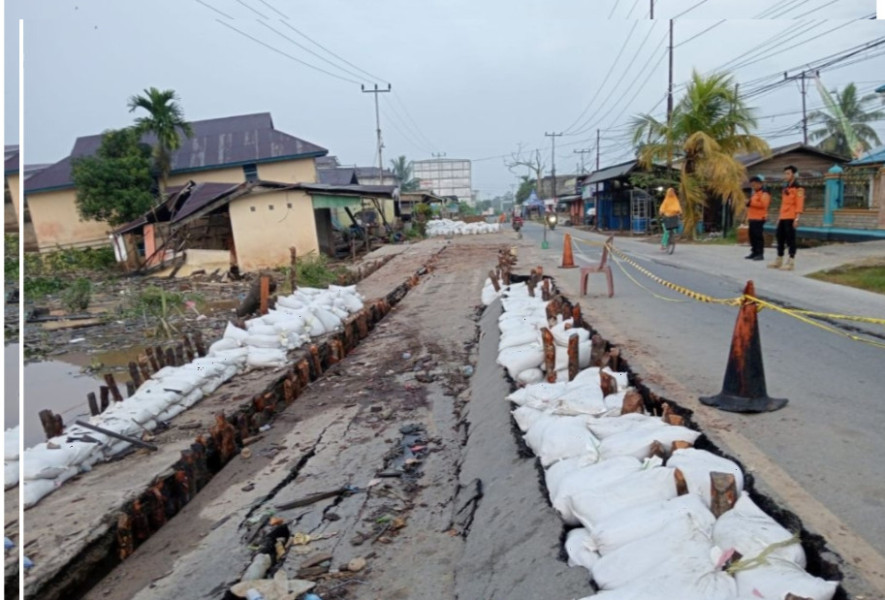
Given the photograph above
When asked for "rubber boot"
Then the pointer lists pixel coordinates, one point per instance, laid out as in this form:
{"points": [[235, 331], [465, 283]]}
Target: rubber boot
{"points": [[788, 264], [778, 262]]}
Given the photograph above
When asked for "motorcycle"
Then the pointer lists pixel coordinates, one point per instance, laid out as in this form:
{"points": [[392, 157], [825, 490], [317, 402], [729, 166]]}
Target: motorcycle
{"points": [[517, 224]]}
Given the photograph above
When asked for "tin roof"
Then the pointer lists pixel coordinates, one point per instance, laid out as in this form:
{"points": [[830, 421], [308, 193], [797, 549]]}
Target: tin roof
{"points": [[216, 143], [338, 176], [875, 156]]}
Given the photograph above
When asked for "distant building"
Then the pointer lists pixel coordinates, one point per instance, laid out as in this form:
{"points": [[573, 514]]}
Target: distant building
{"points": [[445, 177]]}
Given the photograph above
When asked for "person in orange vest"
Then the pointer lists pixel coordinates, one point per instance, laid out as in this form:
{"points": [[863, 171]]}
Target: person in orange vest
{"points": [[670, 211], [792, 205], [757, 213]]}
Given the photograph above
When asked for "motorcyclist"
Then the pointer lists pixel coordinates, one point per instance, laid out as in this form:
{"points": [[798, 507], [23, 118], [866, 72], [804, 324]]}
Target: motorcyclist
{"points": [[517, 223]]}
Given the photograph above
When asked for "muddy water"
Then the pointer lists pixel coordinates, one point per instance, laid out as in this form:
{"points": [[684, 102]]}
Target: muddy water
{"points": [[10, 386], [58, 386]]}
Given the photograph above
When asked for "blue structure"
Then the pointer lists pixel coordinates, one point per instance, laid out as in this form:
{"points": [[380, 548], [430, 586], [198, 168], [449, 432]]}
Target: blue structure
{"points": [[834, 195], [533, 203]]}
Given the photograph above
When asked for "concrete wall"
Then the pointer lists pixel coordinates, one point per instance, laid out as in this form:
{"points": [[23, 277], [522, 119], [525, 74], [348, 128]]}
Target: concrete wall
{"points": [[57, 222], [879, 196], [856, 219], [229, 175], [263, 235], [12, 183], [292, 171]]}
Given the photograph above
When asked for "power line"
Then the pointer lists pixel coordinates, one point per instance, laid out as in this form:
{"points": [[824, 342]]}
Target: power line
{"points": [[415, 123], [416, 138], [273, 8], [776, 7], [817, 9], [632, 8], [614, 6], [685, 12], [697, 35], [287, 55], [252, 9], [406, 136], [348, 63], [209, 6], [781, 11], [309, 51]]}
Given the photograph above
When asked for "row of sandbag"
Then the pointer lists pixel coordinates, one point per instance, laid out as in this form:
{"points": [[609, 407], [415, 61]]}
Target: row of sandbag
{"points": [[444, 227], [264, 343], [10, 457], [638, 538]]}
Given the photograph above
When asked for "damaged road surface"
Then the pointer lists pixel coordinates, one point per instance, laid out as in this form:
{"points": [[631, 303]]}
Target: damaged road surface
{"points": [[358, 487]]}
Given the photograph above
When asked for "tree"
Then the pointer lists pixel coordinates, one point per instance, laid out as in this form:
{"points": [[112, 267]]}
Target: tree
{"points": [[831, 137], [116, 184], [165, 120], [526, 185], [531, 162], [402, 170], [465, 210], [708, 127]]}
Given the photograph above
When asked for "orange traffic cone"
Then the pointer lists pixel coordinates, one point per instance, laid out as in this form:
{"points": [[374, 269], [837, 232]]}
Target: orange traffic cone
{"points": [[568, 261], [743, 388]]}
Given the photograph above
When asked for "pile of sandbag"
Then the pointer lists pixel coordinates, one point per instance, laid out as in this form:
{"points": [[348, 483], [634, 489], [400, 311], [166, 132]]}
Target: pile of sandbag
{"points": [[642, 531], [264, 343], [10, 457], [446, 227]]}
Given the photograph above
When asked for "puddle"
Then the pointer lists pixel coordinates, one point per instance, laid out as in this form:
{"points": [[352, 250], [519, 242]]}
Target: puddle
{"points": [[10, 386], [58, 386]]}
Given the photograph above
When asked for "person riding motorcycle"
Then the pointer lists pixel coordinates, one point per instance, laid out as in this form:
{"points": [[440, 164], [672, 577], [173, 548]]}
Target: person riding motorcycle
{"points": [[517, 223]]}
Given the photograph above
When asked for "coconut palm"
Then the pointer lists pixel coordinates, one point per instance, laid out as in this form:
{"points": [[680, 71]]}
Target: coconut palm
{"points": [[165, 120], [832, 137], [402, 170], [709, 126]]}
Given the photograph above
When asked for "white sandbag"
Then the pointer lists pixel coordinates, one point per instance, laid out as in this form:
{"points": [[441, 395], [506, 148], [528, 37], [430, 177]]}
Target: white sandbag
{"points": [[518, 359], [554, 438], [223, 344], [183, 384], [621, 378], [260, 358], [583, 399], [259, 327], [589, 477], [32, 491], [638, 443], [538, 395], [679, 561], [519, 337], [696, 465], [10, 443], [587, 377], [781, 577], [605, 427], [646, 520], [615, 402], [236, 356], [564, 330], [530, 376], [525, 417], [330, 321], [290, 302], [235, 333], [579, 554], [644, 486], [583, 357], [313, 326], [489, 294], [263, 341], [10, 474], [747, 529]]}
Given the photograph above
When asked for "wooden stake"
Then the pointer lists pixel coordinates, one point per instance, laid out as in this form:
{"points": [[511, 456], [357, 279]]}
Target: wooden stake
{"points": [[573, 366], [608, 383], [130, 389], [632, 403], [188, 348], [293, 255], [144, 368], [578, 320], [134, 374], [265, 294], [494, 279], [52, 423], [549, 354], [93, 404], [161, 357], [179, 354], [112, 386], [114, 434], [152, 357], [104, 394], [681, 485], [723, 489], [545, 290], [198, 343], [170, 357]]}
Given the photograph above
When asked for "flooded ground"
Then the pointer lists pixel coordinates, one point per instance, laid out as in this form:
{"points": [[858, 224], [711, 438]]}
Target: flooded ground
{"points": [[10, 385]]}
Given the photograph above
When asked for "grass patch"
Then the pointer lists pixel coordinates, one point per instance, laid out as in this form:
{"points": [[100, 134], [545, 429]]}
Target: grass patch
{"points": [[314, 271], [69, 261], [10, 262], [865, 277]]}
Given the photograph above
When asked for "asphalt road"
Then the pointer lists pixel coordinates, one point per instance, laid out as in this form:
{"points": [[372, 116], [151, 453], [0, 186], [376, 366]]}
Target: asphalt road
{"points": [[824, 451]]}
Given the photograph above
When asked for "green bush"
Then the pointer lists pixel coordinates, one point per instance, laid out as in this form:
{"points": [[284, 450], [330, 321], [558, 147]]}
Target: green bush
{"points": [[37, 288], [314, 271], [76, 296], [10, 263], [69, 260]]}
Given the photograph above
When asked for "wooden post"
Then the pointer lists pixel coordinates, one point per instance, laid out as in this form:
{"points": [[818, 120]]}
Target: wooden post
{"points": [[134, 374], [188, 348], [723, 490], [632, 402], [130, 389], [549, 354], [198, 343], [265, 294], [52, 423], [104, 394], [116, 435], [681, 484], [293, 255], [608, 383], [179, 354], [573, 366], [494, 279], [155, 364], [597, 350], [144, 368], [93, 404], [577, 319], [545, 290], [161, 357], [112, 386], [170, 357]]}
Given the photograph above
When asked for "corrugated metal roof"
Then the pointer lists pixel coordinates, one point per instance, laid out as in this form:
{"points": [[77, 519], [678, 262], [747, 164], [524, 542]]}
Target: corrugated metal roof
{"points": [[216, 143], [872, 157], [10, 159], [612, 172], [748, 160], [338, 176], [201, 196]]}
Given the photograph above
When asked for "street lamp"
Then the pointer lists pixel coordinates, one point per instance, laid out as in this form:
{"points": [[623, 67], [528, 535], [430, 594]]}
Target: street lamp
{"points": [[549, 221]]}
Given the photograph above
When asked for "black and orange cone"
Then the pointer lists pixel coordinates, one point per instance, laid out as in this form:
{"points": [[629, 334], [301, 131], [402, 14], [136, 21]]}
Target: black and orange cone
{"points": [[568, 261], [743, 388]]}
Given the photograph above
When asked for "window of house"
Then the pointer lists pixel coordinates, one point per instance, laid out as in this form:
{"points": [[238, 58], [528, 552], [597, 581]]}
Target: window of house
{"points": [[251, 172]]}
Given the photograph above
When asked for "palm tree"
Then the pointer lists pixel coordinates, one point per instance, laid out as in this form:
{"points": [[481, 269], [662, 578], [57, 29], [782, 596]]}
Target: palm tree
{"points": [[165, 120], [708, 127], [402, 170], [832, 136]]}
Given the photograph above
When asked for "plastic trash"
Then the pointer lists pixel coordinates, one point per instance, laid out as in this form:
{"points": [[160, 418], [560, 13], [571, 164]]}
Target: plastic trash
{"points": [[28, 563], [8, 544], [254, 594], [256, 570]]}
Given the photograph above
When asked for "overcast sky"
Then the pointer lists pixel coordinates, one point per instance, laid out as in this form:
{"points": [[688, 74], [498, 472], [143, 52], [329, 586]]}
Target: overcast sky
{"points": [[471, 80]]}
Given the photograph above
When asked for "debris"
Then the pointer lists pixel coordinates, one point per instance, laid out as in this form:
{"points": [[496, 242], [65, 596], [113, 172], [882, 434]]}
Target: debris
{"points": [[275, 521], [303, 539], [467, 370], [316, 559], [356, 565], [278, 588], [264, 428], [260, 565], [246, 453], [308, 500], [248, 487], [407, 355]]}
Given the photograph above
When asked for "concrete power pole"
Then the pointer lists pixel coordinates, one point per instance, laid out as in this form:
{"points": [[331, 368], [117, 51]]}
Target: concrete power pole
{"points": [[804, 114], [651, 11], [553, 161], [670, 80], [582, 152], [377, 91]]}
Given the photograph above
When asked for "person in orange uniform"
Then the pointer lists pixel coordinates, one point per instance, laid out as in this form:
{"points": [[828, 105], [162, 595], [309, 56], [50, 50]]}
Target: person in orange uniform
{"points": [[757, 213], [792, 205], [670, 211]]}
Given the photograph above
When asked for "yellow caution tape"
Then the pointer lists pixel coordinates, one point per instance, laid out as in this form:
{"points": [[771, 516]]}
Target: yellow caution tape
{"points": [[839, 317]]}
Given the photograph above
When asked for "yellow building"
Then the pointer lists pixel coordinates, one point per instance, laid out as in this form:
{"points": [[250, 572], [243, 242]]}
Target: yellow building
{"points": [[232, 150]]}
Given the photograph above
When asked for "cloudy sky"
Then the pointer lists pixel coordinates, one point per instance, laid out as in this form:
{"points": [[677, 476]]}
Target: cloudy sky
{"points": [[471, 80]]}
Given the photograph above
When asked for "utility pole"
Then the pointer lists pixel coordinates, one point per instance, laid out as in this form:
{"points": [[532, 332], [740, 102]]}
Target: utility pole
{"points": [[804, 115], [582, 152], [651, 11], [544, 244], [670, 83], [597, 149], [377, 91]]}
